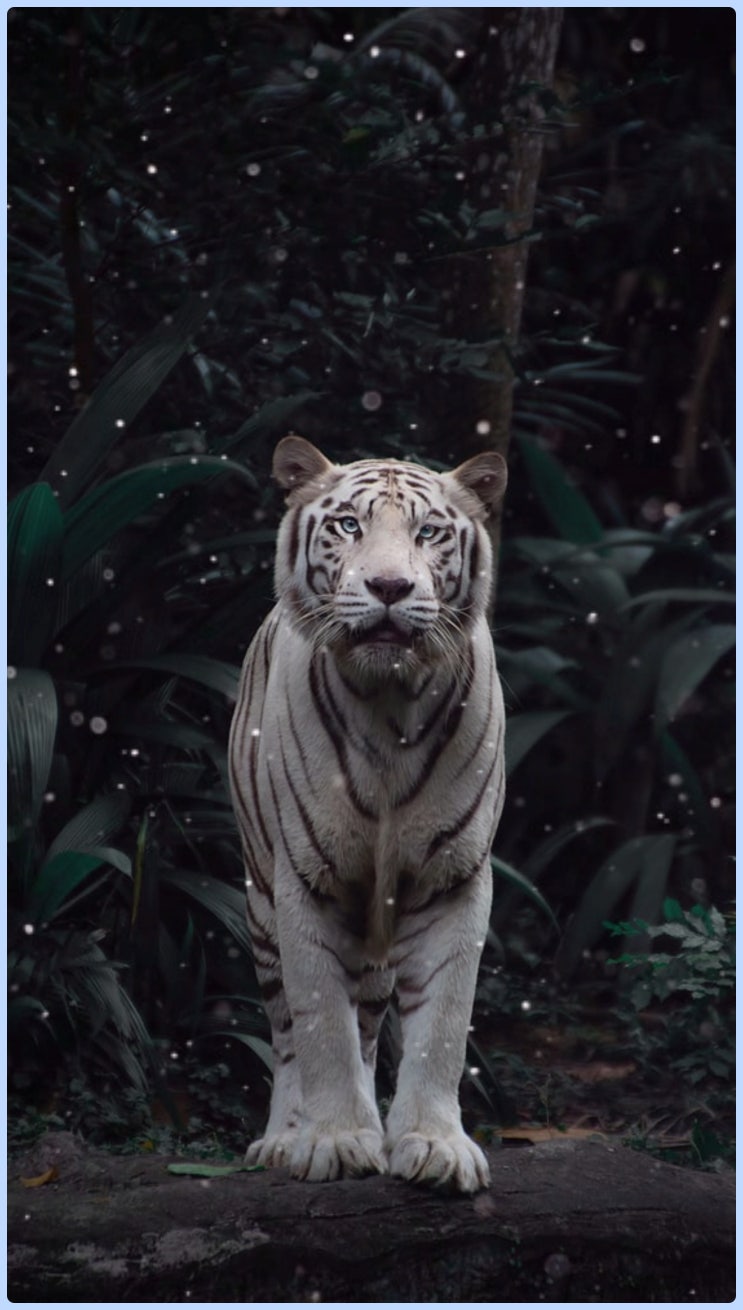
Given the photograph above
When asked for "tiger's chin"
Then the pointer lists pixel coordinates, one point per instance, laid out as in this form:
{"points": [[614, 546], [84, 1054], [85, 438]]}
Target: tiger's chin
{"points": [[373, 664], [384, 655]]}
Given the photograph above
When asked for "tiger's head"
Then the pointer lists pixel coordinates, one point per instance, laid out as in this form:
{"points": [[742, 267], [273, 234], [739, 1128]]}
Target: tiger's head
{"points": [[385, 563]]}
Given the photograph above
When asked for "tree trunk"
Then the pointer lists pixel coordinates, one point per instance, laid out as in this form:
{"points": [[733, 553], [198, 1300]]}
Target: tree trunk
{"points": [[515, 59], [517, 49], [567, 1221]]}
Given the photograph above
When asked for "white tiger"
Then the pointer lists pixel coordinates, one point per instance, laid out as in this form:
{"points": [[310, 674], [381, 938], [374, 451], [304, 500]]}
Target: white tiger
{"points": [[366, 765]]}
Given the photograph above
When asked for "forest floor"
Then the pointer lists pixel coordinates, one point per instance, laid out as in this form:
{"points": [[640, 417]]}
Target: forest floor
{"points": [[568, 1061]]}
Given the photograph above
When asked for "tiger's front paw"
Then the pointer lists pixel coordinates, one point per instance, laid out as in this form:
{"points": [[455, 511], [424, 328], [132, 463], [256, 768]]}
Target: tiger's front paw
{"points": [[318, 1156], [273, 1150], [450, 1161]]}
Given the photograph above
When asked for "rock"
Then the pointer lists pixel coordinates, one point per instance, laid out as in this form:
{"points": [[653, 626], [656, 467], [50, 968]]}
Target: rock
{"points": [[563, 1221]]}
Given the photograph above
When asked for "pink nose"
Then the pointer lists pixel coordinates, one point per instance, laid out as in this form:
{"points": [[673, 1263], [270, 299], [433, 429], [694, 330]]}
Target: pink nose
{"points": [[389, 590]]}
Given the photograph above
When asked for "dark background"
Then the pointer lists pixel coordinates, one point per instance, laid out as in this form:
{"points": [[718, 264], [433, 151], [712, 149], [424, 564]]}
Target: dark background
{"points": [[225, 223]]}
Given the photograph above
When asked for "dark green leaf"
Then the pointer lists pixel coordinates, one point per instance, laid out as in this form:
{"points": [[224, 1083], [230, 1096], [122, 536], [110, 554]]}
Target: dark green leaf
{"points": [[564, 505], [34, 549], [255, 1044], [32, 725], [523, 731], [652, 884], [226, 903], [686, 664], [685, 595], [98, 821], [543, 855], [119, 398], [640, 856], [63, 873], [103, 512], [217, 674], [631, 681], [522, 884], [213, 1170], [270, 420]]}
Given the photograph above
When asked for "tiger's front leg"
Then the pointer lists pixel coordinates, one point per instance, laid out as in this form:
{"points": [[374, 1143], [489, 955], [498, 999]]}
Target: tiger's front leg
{"points": [[341, 1132], [274, 1146], [437, 956]]}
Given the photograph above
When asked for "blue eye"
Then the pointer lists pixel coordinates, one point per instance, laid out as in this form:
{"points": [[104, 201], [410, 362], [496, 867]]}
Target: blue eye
{"points": [[350, 525], [426, 532]]}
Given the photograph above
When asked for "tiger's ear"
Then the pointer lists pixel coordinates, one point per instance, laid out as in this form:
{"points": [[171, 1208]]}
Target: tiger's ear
{"points": [[486, 476], [296, 461]]}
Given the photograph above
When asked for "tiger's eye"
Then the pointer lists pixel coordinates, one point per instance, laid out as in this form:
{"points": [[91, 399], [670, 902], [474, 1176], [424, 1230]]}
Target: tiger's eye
{"points": [[427, 532], [350, 525]]}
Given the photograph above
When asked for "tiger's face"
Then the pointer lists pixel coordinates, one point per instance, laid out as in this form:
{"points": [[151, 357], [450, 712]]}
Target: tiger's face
{"points": [[385, 563]]}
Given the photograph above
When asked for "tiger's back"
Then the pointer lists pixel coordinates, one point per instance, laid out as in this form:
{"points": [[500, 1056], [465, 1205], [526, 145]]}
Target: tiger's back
{"points": [[367, 773]]}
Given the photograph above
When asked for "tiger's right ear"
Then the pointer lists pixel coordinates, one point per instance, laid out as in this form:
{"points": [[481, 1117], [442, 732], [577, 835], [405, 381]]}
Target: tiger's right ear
{"points": [[296, 462]]}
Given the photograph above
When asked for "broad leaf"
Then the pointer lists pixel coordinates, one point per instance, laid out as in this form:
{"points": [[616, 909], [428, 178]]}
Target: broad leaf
{"points": [[103, 512], [523, 731], [257, 1045], [118, 400], [95, 824], [543, 855], [226, 903], [564, 505], [62, 875], [34, 549], [217, 674], [522, 884], [32, 725], [632, 679], [270, 419], [641, 858], [683, 595], [686, 665]]}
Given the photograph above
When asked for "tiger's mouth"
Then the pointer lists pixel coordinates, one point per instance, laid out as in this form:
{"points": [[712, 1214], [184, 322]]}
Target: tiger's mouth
{"points": [[384, 633]]}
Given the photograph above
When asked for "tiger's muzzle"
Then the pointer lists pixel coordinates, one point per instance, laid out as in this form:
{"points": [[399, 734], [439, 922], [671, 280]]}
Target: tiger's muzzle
{"points": [[384, 633]]}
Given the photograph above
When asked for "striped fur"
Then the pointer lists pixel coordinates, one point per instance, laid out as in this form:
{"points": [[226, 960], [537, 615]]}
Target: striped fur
{"points": [[366, 765]]}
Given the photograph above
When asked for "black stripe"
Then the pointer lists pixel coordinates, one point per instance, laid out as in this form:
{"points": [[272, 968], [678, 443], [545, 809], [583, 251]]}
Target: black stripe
{"points": [[254, 923], [375, 1007], [363, 744], [474, 563], [487, 728], [253, 864], [309, 826], [353, 974], [298, 742], [265, 944], [253, 763], [417, 989], [310, 569], [474, 560], [448, 834], [247, 753], [338, 742], [294, 538], [293, 864], [270, 988], [439, 709], [450, 726]]}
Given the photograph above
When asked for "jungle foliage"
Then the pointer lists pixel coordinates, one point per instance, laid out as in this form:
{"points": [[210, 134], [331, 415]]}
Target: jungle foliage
{"points": [[227, 223]]}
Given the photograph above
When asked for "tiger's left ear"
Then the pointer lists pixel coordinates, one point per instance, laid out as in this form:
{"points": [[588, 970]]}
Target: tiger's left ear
{"points": [[486, 476], [296, 461]]}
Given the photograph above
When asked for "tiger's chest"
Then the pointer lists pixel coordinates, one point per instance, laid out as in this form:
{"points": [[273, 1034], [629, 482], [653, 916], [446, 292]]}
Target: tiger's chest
{"points": [[399, 787]]}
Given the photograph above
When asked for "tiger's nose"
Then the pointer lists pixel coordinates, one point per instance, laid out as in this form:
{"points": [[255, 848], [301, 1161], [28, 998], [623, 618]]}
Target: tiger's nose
{"points": [[389, 590]]}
